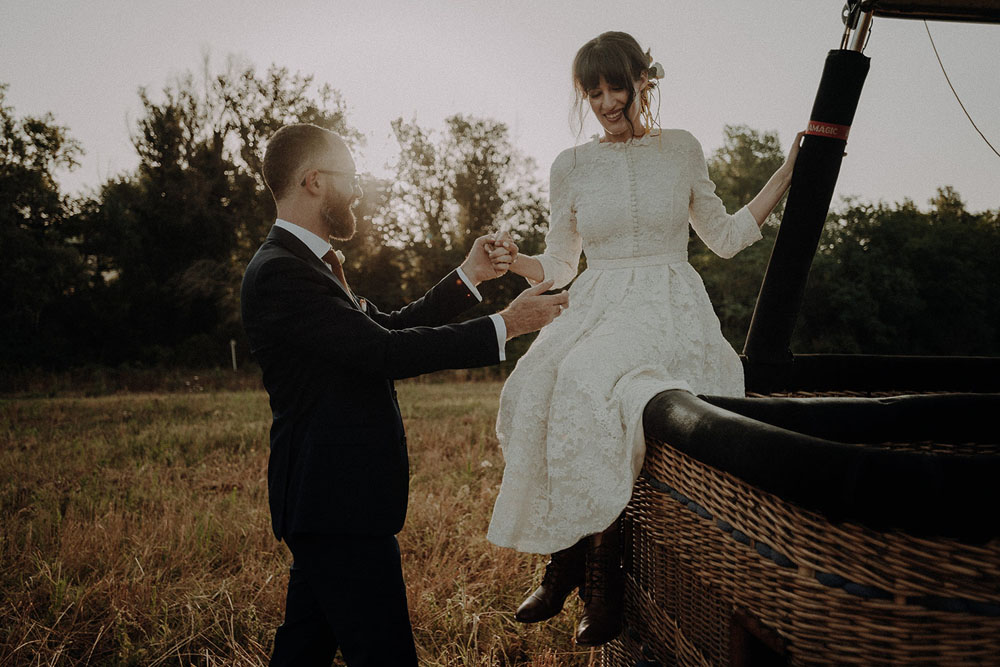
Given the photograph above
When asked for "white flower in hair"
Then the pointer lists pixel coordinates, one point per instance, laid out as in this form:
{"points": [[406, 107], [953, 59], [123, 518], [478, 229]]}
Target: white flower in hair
{"points": [[340, 256], [656, 71]]}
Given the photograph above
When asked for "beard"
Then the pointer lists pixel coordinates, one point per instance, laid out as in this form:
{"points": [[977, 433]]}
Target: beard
{"points": [[339, 218]]}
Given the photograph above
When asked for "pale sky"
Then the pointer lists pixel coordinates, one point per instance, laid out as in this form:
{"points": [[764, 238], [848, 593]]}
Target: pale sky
{"points": [[752, 62]]}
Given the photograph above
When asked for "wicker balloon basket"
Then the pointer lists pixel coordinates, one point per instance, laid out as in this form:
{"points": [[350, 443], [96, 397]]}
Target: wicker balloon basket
{"points": [[719, 572]]}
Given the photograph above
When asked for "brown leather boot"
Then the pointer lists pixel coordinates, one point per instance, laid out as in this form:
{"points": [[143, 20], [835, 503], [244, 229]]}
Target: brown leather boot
{"points": [[563, 573], [604, 589]]}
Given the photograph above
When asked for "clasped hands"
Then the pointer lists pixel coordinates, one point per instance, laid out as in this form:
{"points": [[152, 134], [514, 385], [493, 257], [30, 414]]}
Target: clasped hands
{"points": [[492, 256]]}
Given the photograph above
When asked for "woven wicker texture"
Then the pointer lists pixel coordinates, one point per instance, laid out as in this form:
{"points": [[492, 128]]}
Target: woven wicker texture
{"points": [[702, 544]]}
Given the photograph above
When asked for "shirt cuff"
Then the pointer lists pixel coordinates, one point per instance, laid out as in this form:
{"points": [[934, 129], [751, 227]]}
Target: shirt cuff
{"points": [[501, 328], [472, 288]]}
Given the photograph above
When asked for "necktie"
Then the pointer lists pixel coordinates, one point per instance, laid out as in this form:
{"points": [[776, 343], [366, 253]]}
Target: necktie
{"points": [[338, 269]]}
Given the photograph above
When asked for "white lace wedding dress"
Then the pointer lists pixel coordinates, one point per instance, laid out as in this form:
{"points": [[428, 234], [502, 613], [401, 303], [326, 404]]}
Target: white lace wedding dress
{"points": [[639, 322]]}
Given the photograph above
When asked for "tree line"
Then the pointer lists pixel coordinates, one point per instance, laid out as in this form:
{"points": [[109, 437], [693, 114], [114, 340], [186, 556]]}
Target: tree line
{"points": [[145, 269]]}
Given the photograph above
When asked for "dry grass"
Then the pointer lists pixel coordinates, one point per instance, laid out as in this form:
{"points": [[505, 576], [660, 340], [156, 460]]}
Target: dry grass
{"points": [[135, 532]]}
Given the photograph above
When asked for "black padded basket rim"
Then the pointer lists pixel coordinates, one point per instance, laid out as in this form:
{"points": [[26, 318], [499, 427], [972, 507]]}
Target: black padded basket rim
{"points": [[924, 494]]}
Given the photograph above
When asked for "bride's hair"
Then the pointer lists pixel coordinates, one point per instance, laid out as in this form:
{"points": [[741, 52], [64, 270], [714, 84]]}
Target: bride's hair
{"points": [[618, 59]]}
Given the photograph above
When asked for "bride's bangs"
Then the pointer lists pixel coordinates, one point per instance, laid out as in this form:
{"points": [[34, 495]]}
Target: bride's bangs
{"points": [[596, 63]]}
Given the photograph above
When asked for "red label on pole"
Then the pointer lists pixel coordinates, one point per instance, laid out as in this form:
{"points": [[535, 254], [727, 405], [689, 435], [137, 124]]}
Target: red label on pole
{"points": [[831, 130]]}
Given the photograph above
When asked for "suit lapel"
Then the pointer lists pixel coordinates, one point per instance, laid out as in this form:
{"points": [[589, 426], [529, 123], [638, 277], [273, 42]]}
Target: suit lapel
{"points": [[290, 242]]}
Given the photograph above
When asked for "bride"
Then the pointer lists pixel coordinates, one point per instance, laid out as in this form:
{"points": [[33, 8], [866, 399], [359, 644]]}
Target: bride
{"points": [[639, 322]]}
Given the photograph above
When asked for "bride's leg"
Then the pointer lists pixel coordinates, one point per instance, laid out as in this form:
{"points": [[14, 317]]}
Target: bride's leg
{"points": [[604, 588], [563, 573]]}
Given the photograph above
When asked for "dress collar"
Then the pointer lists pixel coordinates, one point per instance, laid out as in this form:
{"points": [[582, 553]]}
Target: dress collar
{"points": [[644, 140]]}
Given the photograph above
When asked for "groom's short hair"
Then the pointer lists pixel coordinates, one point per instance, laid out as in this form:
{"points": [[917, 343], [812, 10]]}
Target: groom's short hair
{"points": [[288, 150]]}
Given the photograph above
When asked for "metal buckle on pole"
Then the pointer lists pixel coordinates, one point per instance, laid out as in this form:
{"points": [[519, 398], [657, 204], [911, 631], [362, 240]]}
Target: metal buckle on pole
{"points": [[857, 21], [851, 13]]}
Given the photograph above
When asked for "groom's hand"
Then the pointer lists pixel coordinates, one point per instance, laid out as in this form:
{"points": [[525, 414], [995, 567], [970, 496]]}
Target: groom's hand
{"points": [[533, 309], [478, 266]]}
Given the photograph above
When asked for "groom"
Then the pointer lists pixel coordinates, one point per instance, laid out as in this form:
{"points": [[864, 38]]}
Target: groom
{"points": [[338, 472]]}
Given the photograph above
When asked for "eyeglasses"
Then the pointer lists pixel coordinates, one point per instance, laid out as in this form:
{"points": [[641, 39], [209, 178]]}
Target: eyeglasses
{"points": [[356, 177]]}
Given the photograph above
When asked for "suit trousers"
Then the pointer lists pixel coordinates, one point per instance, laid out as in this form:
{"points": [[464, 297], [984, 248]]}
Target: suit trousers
{"points": [[347, 592]]}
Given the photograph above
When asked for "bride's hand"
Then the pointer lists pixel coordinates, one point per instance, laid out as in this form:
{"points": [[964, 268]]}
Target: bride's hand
{"points": [[793, 152], [502, 254], [503, 251]]}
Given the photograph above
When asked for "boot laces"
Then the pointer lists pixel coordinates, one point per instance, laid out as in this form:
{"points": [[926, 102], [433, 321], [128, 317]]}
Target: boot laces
{"points": [[599, 571], [553, 574], [564, 568], [556, 572]]}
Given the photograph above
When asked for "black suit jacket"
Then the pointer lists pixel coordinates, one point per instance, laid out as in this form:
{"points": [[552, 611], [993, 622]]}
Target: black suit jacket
{"points": [[338, 460]]}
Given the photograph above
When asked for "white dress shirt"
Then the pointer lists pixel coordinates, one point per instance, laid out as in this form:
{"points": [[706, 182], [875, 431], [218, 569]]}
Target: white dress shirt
{"points": [[320, 247]]}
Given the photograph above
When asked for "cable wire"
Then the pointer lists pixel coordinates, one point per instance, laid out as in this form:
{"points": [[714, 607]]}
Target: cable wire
{"points": [[948, 79]]}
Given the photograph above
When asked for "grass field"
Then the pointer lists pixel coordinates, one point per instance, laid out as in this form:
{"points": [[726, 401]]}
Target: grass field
{"points": [[135, 532]]}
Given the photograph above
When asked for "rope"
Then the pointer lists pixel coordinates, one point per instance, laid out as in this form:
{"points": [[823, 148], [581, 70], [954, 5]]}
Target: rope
{"points": [[948, 79]]}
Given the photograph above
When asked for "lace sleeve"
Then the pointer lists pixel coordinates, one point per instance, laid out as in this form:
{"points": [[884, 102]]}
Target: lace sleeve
{"points": [[563, 245], [724, 234]]}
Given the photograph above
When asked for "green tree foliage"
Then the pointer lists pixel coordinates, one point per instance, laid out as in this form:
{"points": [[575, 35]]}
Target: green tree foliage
{"points": [[447, 192], [171, 239], [896, 280], [40, 268]]}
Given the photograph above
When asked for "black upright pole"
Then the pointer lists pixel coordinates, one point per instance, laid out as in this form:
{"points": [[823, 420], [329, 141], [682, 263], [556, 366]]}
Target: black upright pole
{"points": [[813, 181]]}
